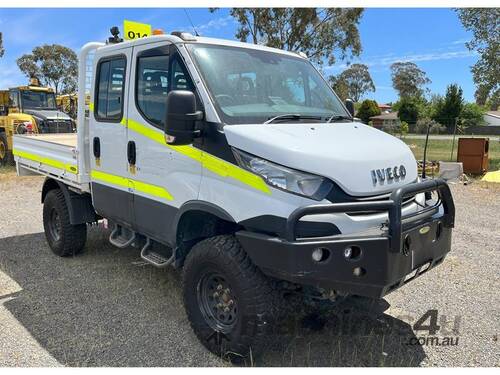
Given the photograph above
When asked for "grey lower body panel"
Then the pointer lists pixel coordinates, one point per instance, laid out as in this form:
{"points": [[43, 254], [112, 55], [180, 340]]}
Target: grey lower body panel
{"points": [[154, 218], [113, 204], [145, 216]]}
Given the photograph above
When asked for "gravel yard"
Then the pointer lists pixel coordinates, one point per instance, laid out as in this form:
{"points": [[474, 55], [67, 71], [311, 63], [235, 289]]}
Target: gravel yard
{"points": [[106, 307]]}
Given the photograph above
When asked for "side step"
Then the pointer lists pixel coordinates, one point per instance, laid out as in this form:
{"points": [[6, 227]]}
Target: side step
{"points": [[121, 237], [155, 258]]}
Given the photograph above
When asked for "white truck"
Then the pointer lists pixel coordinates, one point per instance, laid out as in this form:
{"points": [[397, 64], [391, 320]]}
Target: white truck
{"points": [[238, 163]]}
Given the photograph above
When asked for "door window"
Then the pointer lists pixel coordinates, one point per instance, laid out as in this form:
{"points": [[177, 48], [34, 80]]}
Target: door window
{"points": [[109, 90], [156, 77], [152, 87]]}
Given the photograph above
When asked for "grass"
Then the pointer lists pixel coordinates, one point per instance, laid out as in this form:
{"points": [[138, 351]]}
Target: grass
{"points": [[440, 149]]}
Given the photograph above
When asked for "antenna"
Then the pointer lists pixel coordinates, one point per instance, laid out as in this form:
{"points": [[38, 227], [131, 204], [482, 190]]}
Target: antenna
{"points": [[191, 22]]}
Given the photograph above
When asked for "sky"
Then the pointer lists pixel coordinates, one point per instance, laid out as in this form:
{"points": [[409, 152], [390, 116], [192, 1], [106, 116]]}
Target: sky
{"points": [[432, 38]]}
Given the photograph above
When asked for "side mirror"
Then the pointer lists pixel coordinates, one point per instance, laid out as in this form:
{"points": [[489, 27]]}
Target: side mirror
{"points": [[181, 117], [349, 104]]}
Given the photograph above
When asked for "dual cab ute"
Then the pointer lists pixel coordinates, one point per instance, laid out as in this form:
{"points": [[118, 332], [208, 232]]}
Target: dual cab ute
{"points": [[239, 164]]}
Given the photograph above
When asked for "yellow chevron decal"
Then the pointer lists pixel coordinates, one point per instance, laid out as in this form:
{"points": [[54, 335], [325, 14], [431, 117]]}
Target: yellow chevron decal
{"points": [[71, 168], [210, 162], [153, 190]]}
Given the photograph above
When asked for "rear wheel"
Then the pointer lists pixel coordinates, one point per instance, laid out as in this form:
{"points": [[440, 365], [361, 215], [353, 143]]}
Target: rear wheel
{"points": [[64, 238], [5, 153], [231, 305]]}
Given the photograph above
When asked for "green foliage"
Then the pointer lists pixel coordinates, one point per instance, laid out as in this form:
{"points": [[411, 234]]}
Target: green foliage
{"points": [[368, 109], [437, 129], [430, 107], [471, 115], [404, 128], [2, 50], [493, 102], [408, 110], [54, 65], [340, 87], [390, 128], [357, 105], [394, 128], [424, 123], [321, 33], [353, 82], [408, 79], [485, 28], [451, 106]]}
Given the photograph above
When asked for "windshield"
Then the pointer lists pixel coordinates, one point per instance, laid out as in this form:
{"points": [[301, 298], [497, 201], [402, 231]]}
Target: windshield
{"points": [[252, 86], [38, 99]]}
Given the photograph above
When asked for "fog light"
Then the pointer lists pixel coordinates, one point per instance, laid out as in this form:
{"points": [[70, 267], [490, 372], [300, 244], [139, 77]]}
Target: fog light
{"points": [[320, 254], [348, 252], [358, 271], [317, 255], [352, 252]]}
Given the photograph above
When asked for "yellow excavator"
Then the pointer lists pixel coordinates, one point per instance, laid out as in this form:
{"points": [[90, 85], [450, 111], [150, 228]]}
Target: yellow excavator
{"points": [[29, 109]]}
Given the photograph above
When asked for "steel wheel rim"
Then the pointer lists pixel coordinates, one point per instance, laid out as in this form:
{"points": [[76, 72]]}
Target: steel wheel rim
{"points": [[216, 301], [55, 225]]}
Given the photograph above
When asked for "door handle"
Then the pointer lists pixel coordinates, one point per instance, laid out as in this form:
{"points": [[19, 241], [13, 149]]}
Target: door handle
{"points": [[97, 147], [131, 153]]}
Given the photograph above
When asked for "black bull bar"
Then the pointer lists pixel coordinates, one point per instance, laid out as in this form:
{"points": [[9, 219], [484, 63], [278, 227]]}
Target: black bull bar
{"points": [[393, 206]]}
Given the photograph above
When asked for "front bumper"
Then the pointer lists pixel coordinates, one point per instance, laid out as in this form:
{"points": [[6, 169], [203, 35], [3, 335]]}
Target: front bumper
{"points": [[410, 245]]}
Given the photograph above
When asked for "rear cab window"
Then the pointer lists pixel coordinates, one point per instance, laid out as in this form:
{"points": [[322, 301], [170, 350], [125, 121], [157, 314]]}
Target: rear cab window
{"points": [[110, 87]]}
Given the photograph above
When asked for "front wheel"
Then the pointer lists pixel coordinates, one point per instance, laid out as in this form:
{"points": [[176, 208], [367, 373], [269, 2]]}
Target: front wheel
{"points": [[64, 238], [229, 302]]}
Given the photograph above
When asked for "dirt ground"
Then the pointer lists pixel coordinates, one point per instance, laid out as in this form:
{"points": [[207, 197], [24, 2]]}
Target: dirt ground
{"points": [[106, 307]]}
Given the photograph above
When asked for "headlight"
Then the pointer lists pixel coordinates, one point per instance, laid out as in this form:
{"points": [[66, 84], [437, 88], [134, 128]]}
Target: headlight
{"points": [[291, 180]]}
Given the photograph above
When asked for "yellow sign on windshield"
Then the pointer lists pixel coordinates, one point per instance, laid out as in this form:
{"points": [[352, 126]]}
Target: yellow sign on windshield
{"points": [[135, 30]]}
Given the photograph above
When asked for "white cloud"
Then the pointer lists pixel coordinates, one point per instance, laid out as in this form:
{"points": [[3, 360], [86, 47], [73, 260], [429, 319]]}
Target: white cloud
{"points": [[460, 41], [431, 56], [387, 60], [215, 24]]}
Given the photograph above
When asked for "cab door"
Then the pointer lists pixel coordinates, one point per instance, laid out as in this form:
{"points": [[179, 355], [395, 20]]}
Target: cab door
{"points": [[164, 177], [111, 191]]}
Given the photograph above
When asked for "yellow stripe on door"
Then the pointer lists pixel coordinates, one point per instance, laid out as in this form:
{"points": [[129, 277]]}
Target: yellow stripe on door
{"points": [[210, 162], [153, 190]]}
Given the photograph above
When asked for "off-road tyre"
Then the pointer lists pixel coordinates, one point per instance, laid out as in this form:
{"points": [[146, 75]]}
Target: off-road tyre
{"points": [[5, 154], [255, 300], [64, 238]]}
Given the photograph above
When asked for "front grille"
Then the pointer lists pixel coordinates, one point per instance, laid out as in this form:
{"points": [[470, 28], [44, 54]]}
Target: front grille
{"points": [[406, 201], [337, 195], [57, 126]]}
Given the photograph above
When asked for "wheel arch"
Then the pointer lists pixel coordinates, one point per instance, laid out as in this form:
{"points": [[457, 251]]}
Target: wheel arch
{"points": [[80, 206], [195, 221]]}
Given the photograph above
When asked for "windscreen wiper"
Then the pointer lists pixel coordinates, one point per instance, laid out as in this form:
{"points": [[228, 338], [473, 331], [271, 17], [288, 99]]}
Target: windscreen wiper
{"points": [[336, 118], [291, 116]]}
